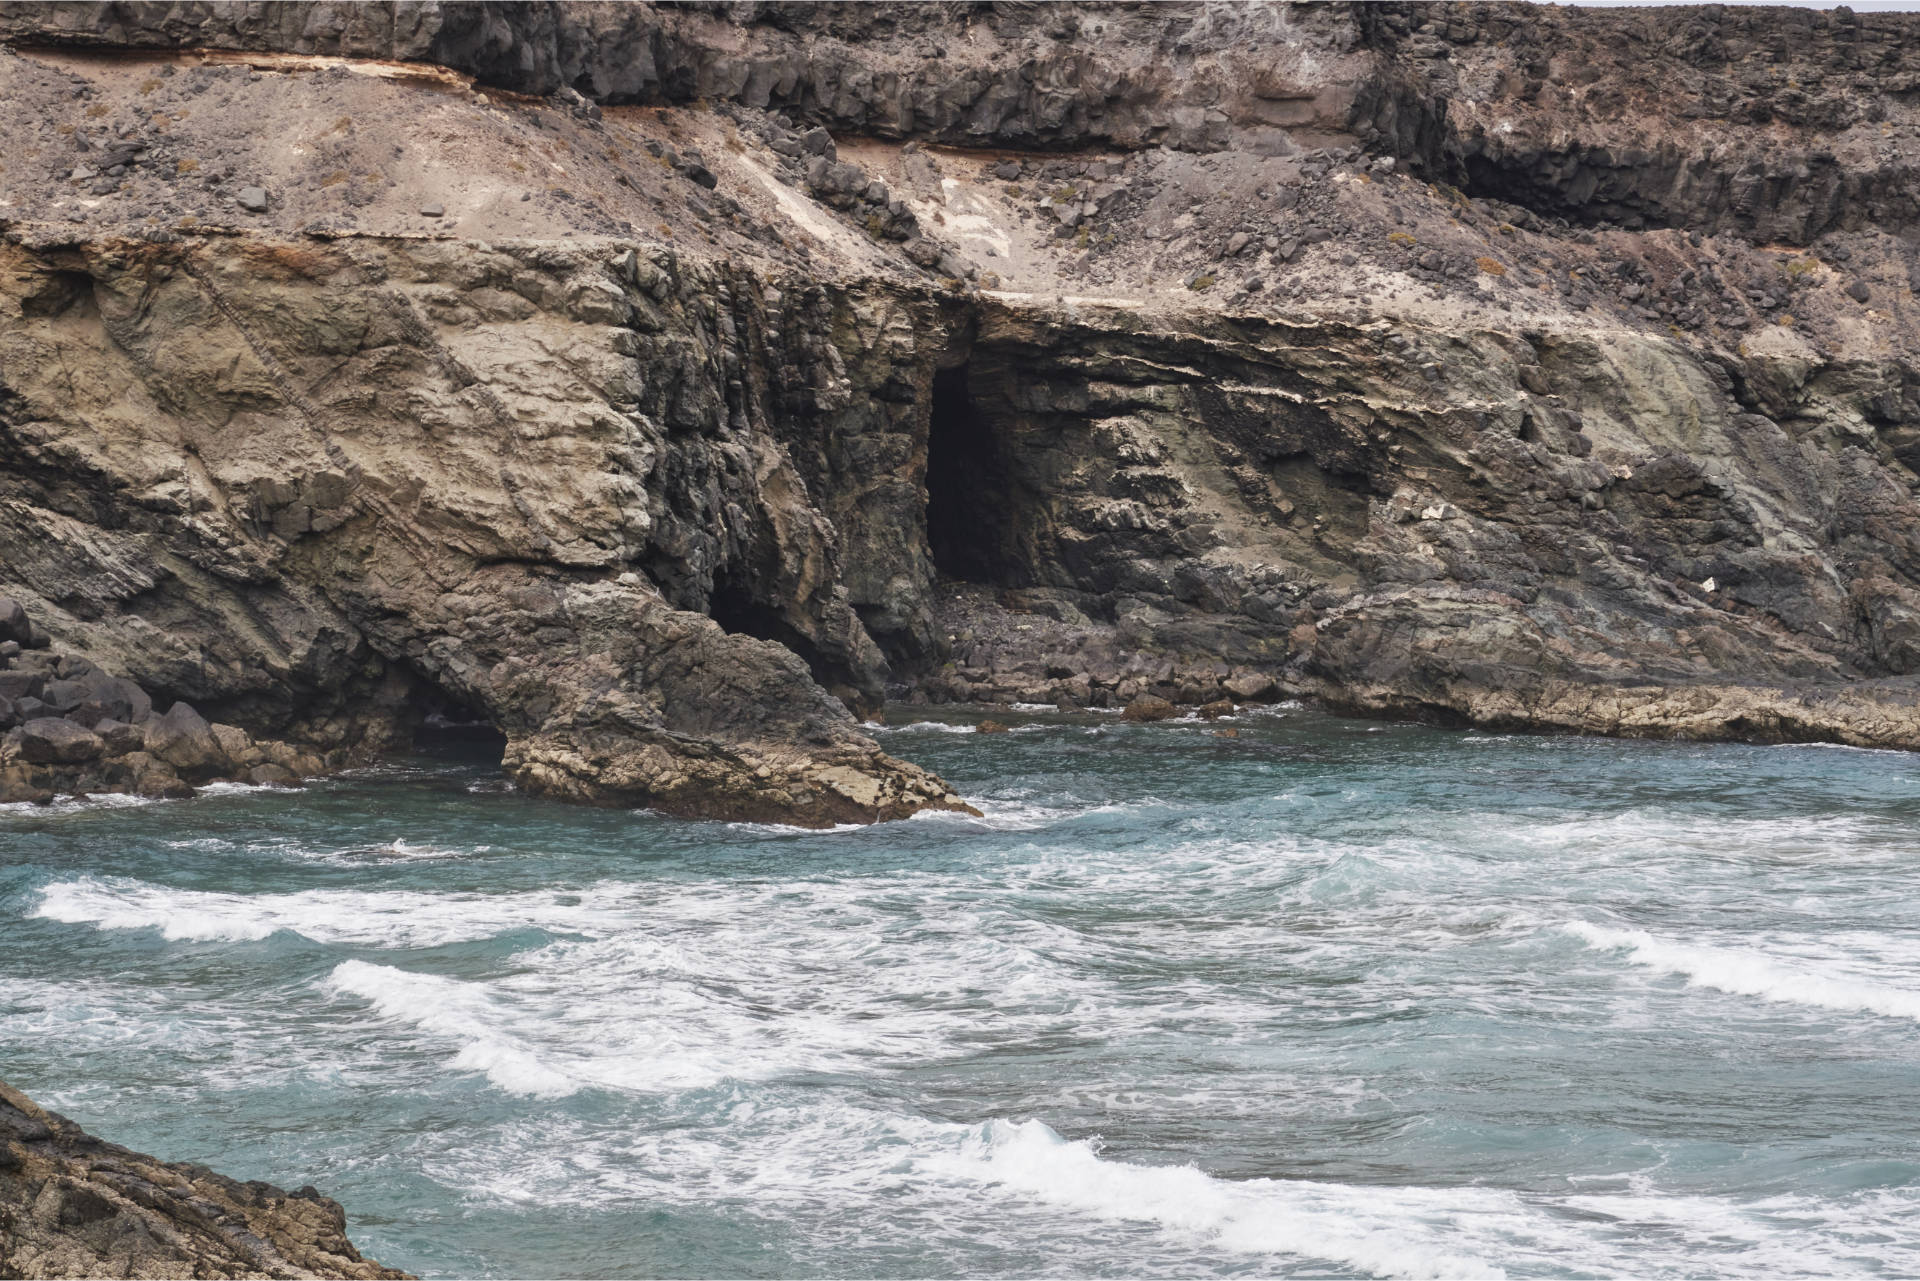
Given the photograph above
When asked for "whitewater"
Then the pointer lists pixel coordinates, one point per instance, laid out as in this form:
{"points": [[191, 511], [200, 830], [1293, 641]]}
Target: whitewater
{"points": [[1328, 998]]}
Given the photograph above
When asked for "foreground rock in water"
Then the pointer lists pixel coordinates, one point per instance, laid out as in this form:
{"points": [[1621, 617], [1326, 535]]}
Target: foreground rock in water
{"points": [[72, 1205], [1353, 352]]}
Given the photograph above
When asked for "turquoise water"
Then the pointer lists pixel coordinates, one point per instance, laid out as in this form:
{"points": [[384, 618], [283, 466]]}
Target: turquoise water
{"points": [[1331, 998]]}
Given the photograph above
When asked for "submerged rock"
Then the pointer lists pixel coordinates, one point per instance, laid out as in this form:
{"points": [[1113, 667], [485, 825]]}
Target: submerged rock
{"points": [[72, 1205]]}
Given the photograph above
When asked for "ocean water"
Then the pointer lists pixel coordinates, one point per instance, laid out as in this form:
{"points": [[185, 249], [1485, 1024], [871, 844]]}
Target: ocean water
{"points": [[1332, 998]]}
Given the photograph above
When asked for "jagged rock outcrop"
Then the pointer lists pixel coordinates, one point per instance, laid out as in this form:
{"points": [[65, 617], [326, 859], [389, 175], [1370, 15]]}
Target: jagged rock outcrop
{"points": [[1779, 124], [670, 440], [405, 520], [72, 1205]]}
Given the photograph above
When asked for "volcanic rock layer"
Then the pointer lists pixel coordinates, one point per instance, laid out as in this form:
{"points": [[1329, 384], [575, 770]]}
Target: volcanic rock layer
{"points": [[667, 387]]}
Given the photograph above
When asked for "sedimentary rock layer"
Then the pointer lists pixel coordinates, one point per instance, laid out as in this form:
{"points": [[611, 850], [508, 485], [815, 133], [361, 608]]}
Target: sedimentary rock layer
{"points": [[72, 1205], [670, 423]]}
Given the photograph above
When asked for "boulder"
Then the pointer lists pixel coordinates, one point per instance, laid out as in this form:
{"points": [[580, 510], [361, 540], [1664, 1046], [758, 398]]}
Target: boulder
{"points": [[1149, 707], [156, 781], [251, 199], [183, 739], [1251, 686], [119, 737], [22, 783], [1858, 291], [433, 210], [236, 745], [123, 693], [18, 685], [52, 741], [1215, 710], [14, 624], [271, 775], [64, 696]]}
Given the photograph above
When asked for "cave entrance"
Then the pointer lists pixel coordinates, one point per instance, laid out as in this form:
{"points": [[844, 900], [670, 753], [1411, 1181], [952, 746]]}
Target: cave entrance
{"points": [[969, 483], [740, 612], [450, 728]]}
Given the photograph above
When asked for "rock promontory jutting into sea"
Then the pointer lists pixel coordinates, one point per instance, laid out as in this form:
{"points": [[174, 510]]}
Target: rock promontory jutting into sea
{"points": [[74, 1206], [664, 387]]}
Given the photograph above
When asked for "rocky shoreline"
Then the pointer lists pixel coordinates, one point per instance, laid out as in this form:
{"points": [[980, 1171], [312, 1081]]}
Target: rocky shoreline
{"points": [[668, 387], [74, 729], [72, 1205]]}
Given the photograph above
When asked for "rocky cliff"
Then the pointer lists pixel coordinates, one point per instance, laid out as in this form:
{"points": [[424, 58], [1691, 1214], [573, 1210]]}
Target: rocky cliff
{"points": [[72, 1205], [668, 386]]}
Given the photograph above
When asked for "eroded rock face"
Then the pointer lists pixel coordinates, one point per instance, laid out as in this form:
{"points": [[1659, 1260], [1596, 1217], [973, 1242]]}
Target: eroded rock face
{"points": [[545, 543], [72, 1205], [1777, 123], [673, 471], [1394, 522]]}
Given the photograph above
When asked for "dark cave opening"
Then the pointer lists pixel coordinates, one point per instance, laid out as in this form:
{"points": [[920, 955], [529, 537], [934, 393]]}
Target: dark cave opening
{"points": [[969, 483], [60, 292], [449, 727], [741, 613]]}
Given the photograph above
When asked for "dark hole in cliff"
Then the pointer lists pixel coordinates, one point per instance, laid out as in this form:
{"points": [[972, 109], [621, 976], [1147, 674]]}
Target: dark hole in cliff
{"points": [[59, 292], [737, 609], [451, 728], [969, 524]]}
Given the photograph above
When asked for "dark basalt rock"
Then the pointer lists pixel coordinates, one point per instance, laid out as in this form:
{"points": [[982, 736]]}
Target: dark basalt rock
{"points": [[88, 731], [183, 739], [697, 510], [46, 741]]}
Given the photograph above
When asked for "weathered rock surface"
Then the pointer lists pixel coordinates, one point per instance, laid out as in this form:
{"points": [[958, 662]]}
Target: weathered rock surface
{"points": [[72, 1205], [68, 726], [681, 437]]}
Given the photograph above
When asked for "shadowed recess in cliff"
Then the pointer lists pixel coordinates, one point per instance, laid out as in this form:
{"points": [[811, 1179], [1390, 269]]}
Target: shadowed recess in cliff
{"points": [[451, 727], [969, 489], [738, 609]]}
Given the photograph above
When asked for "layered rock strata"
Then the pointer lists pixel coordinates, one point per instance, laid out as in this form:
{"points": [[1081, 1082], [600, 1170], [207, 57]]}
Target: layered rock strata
{"points": [[72, 1205], [672, 422]]}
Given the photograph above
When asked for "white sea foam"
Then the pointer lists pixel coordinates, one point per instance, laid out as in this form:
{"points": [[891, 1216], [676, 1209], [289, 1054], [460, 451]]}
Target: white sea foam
{"points": [[64, 805], [1368, 1229], [1008, 1184], [1744, 972], [396, 918], [459, 1012], [922, 727]]}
